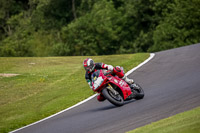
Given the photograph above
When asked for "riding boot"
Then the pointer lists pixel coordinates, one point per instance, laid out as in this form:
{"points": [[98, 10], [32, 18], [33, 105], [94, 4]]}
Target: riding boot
{"points": [[127, 80], [134, 86]]}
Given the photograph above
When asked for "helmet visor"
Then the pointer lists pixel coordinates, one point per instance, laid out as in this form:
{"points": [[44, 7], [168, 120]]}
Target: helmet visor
{"points": [[87, 68]]}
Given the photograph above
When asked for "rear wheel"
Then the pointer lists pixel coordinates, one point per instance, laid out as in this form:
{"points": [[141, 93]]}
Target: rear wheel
{"points": [[139, 93], [115, 99]]}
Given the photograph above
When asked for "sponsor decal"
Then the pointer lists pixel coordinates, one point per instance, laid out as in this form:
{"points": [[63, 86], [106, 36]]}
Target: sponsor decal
{"points": [[115, 81]]}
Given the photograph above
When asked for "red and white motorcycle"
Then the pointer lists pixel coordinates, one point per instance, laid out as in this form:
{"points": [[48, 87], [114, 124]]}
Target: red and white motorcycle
{"points": [[114, 89]]}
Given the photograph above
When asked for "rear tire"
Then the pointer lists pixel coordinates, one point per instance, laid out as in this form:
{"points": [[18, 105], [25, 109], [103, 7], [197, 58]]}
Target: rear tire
{"points": [[139, 93], [117, 100]]}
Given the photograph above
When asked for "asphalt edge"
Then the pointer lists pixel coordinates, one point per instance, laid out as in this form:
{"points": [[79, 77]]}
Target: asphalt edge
{"points": [[128, 73]]}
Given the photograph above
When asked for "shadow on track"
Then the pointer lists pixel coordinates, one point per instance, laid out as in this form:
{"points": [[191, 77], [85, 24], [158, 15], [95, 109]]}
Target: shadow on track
{"points": [[111, 106]]}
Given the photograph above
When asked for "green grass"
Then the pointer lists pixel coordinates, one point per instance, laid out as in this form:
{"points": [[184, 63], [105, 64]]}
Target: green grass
{"points": [[186, 122], [47, 85]]}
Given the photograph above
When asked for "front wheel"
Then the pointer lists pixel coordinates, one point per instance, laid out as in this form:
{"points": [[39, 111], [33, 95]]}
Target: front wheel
{"points": [[115, 99]]}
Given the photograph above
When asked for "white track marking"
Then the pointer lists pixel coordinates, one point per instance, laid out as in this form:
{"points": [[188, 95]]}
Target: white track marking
{"points": [[129, 72]]}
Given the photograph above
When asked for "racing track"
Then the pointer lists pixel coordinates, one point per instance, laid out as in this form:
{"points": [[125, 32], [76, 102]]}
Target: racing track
{"points": [[171, 81]]}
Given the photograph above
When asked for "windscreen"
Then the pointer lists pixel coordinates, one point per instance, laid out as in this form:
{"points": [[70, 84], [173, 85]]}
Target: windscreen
{"points": [[97, 80], [95, 75]]}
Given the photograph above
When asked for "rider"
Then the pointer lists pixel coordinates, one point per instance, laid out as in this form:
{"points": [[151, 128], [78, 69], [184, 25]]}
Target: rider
{"points": [[91, 67]]}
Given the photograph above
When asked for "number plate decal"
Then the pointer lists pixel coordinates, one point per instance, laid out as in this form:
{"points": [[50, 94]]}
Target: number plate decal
{"points": [[98, 82]]}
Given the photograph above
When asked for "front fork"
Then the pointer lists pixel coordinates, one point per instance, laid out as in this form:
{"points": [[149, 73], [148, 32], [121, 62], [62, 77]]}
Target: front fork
{"points": [[112, 89]]}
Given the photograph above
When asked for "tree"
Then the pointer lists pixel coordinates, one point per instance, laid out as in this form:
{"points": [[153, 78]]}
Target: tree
{"points": [[180, 27], [73, 9], [95, 33], [8, 8]]}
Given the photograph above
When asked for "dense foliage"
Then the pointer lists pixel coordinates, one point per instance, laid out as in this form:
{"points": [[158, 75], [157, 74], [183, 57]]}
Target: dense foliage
{"points": [[96, 27]]}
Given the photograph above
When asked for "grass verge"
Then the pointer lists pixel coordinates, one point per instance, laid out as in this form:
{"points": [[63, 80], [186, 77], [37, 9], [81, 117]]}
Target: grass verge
{"points": [[186, 122], [47, 85]]}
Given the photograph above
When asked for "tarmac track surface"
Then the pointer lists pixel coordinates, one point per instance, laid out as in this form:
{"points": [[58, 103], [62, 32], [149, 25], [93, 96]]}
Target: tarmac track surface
{"points": [[171, 81]]}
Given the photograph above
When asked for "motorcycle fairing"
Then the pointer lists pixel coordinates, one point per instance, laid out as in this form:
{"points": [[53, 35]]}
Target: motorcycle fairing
{"points": [[126, 90]]}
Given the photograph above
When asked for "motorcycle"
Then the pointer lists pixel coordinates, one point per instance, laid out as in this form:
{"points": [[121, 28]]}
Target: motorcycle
{"points": [[114, 89]]}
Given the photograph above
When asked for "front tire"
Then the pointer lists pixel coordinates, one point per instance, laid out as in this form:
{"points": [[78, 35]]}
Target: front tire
{"points": [[117, 100]]}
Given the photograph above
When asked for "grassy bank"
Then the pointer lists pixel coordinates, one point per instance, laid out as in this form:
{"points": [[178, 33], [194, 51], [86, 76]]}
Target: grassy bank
{"points": [[187, 122], [47, 85]]}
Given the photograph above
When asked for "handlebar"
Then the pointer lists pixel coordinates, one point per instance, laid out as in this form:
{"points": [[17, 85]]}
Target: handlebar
{"points": [[107, 72]]}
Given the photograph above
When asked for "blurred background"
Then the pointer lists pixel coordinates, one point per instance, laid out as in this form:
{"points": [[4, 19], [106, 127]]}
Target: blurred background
{"points": [[96, 27]]}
